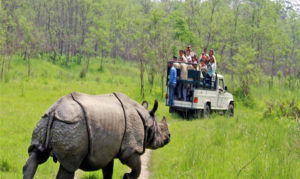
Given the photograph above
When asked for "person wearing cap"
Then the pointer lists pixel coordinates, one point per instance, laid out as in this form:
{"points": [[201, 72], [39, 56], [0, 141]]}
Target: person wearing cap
{"points": [[172, 83]]}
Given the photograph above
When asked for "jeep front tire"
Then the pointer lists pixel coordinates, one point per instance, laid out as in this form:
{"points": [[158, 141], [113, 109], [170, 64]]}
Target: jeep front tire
{"points": [[230, 110]]}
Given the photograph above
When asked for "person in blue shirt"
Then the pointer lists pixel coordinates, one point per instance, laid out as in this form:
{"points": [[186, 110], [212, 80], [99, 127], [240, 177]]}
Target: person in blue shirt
{"points": [[172, 83]]}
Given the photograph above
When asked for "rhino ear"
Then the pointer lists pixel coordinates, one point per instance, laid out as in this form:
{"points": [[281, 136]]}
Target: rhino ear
{"points": [[145, 104], [164, 119], [152, 112]]}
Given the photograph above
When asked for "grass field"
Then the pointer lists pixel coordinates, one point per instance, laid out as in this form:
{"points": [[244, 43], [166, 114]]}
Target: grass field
{"points": [[249, 145]]}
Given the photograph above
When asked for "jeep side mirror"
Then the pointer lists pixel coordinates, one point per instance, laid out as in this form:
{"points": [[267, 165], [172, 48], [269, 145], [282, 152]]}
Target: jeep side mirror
{"points": [[226, 88]]}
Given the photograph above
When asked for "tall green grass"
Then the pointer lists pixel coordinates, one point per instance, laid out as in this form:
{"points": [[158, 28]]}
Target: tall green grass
{"points": [[247, 146]]}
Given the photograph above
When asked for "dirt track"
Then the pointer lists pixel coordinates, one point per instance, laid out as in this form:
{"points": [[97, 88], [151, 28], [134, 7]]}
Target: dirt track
{"points": [[145, 162]]}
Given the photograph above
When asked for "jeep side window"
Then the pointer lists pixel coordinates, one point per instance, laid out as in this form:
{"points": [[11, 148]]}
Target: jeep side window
{"points": [[221, 83]]}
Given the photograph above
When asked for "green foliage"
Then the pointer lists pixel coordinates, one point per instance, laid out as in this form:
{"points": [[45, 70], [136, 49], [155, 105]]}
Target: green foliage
{"points": [[4, 166], [245, 70], [283, 109], [292, 82], [154, 31], [182, 33]]}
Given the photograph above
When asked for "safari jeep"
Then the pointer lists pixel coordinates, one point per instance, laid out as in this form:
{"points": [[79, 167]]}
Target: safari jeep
{"points": [[201, 97]]}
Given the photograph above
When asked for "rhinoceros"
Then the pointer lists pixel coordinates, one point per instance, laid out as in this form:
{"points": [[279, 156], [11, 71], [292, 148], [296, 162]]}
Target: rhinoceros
{"points": [[88, 132]]}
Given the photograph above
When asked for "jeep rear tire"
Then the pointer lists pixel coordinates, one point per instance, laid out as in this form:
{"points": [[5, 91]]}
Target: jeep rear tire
{"points": [[206, 111]]}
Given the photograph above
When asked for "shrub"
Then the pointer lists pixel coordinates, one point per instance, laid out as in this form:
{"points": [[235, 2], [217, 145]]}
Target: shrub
{"points": [[292, 82], [4, 166], [85, 68], [288, 109], [244, 95]]}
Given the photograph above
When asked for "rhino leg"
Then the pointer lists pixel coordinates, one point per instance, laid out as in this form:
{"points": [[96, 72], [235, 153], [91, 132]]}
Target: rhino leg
{"points": [[134, 162], [108, 170], [64, 174]]}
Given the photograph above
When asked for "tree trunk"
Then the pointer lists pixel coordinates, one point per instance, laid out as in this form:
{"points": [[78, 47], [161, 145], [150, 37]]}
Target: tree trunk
{"points": [[28, 67], [68, 54], [162, 80], [233, 38], [142, 76], [294, 62], [231, 60], [151, 77], [101, 63], [272, 70], [211, 21], [61, 46], [25, 54], [222, 53], [2, 68], [54, 57]]}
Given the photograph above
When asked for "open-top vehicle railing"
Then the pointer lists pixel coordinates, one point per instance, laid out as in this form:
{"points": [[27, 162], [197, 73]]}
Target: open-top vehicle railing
{"points": [[194, 77]]}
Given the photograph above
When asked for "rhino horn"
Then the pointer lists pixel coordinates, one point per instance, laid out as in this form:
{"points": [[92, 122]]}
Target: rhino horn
{"points": [[145, 104], [152, 112]]}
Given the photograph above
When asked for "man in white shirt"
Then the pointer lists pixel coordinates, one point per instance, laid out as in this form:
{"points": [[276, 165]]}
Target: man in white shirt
{"points": [[188, 56]]}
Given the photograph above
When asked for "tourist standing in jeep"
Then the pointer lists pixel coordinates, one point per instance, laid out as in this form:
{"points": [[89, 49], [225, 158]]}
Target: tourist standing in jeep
{"points": [[172, 83]]}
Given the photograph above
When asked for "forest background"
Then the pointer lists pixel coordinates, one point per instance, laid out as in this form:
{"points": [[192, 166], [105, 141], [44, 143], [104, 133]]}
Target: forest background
{"points": [[259, 37], [49, 48]]}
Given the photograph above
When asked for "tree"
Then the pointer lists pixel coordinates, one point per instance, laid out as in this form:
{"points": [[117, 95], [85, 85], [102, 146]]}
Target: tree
{"points": [[182, 33], [234, 34], [27, 43], [294, 23], [245, 68]]}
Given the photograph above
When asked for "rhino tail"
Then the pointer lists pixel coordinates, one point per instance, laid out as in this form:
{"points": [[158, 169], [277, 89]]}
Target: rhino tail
{"points": [[49, 125], [39, 150], [41, 136]]}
